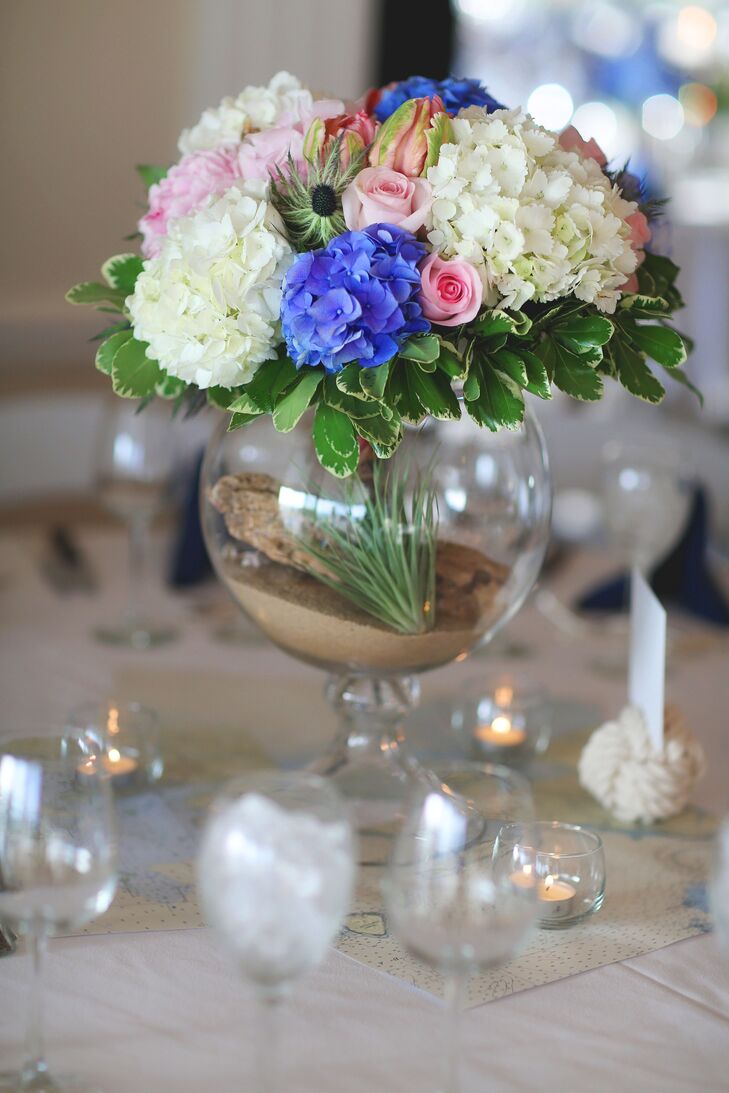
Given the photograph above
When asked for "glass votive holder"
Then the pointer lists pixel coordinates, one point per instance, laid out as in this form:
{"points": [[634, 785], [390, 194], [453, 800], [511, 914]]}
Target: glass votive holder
{"points": [[507, 720], [566, 864], [127, 735]]}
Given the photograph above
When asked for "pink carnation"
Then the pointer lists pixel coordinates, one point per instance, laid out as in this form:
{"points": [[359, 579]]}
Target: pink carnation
{"points": [[451, 291], [571, 141], [184, 189]]}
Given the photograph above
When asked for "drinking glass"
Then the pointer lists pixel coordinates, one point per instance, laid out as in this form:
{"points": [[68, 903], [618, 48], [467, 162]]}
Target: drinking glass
{"points": [[57, 861], [135, 461], [446, 898], [275, 874], [646, 501]]}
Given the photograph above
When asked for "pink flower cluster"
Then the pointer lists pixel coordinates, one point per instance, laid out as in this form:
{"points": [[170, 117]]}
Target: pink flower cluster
{"points": [[185, 188], [390, 189]]}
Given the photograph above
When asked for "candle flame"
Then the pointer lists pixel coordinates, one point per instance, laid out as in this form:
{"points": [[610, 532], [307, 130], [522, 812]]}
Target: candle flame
{"points": [[501, 724], [112, 721], [548, 882], [114, 755]]}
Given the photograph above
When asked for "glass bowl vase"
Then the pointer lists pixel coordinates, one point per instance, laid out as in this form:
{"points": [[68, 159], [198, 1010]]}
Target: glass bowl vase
{"points": [[405, 566]]}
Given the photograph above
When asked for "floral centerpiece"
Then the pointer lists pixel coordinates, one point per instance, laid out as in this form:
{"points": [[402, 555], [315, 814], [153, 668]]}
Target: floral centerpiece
{"points": [[378, 260], [393, 277]]}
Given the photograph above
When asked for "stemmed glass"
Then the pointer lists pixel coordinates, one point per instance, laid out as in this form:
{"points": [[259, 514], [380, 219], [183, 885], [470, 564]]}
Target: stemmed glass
{"points": [[275, 874], [57, 860], [645, 499], [135, 460], [446, 897]]}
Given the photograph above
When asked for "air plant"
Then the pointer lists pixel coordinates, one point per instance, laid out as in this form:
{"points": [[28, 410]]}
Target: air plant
{"points": [[381, 555]]}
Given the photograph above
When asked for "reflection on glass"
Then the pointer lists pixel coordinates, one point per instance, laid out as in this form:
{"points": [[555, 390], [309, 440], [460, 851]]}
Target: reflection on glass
{"points": [[135, 461], [57, 861]]}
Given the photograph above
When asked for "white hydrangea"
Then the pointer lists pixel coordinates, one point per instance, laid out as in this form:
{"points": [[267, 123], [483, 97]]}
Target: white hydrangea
{"points": [[537, 222], [209, 303], [254, 109]]}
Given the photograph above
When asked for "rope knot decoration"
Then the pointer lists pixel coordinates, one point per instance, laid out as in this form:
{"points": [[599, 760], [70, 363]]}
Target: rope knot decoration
{"points": [[630, 778]]}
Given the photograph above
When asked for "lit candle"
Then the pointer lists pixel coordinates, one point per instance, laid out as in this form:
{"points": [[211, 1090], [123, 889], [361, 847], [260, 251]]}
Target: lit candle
{"points": [[113, 763], [556, 897], [500, 732]]}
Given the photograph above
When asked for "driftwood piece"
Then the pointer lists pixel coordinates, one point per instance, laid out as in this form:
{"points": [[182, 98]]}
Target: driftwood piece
{"points": [[466, 580], [250, 506]]}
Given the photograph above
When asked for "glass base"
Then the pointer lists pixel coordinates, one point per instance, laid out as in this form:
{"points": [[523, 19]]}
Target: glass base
{"points": [[368, 762], [46, 1083], [136, 634]]}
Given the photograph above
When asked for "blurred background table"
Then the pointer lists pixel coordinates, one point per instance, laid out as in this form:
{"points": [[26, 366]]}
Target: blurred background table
{"points": [[163, 1011]]}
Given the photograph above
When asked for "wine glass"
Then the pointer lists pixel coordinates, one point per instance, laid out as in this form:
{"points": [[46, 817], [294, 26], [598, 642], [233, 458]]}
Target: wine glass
{"points": [[645, 499], [57, 860], [275, 874], [135, 460], [446, 898]]}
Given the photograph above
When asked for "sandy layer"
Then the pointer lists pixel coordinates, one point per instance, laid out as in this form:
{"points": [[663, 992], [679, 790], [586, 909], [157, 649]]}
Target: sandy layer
{"points": [[316, 624]]}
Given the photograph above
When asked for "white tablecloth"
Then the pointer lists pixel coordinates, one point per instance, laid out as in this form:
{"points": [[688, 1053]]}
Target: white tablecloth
{"points": [[163, 1011]]}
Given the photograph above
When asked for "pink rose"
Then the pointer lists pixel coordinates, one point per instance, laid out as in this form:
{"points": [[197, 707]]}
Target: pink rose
{"points": [[451, 291], [261, 153], [571, 141], [640, 234], [381, 196], [184, 189]]}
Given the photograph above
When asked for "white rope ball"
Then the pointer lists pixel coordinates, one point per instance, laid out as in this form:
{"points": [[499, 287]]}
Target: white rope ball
{"points": [[630, 778]]}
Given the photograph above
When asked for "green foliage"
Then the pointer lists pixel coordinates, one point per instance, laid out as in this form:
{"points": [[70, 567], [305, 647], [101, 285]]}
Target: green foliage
{"points": [[422, 348], [493, 399], [133, 374], [335, 441], [122, 271], [151, 175], [107, 350], [170, 388], [384, 560], [93, 292], [290, 409]]}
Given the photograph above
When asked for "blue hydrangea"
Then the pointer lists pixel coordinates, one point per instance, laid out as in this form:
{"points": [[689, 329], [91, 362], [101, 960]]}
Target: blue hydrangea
{"points": [[454, 93], [357, 299]]}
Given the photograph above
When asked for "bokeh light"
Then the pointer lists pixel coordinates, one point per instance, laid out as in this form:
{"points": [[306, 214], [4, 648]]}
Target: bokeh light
{"points": [[687, 37], [551, 105], [490, 11], [662, 117], [699, 103], [598, 120]]}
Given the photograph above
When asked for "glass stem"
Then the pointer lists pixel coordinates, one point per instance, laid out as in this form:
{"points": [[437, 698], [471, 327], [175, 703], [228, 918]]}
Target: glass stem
{"points": [[138, 543], [35, 1064], [453, 995], [267, 1044]]}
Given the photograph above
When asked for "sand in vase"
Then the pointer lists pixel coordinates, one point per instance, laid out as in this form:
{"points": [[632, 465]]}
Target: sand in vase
{"points": [[274, 583], [316, 624]]}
